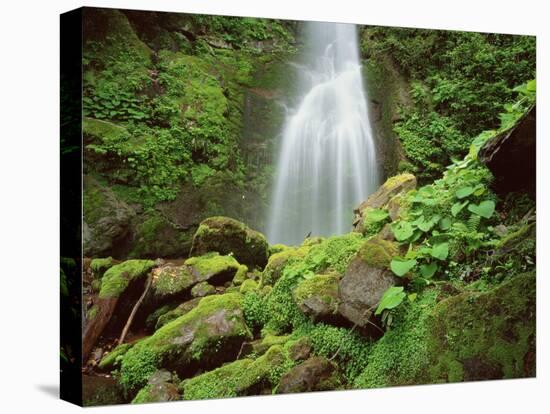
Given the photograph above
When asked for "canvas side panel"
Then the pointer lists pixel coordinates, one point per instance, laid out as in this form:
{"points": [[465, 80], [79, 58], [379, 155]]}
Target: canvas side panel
{"points": [[71, 206]]}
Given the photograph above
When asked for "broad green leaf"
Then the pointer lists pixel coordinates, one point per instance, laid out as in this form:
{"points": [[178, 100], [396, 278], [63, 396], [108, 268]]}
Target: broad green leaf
{"points": [[440, 251], [428, 270], [402, 230], [445, 223], [457, 207], [412, 297], [464, 192], [377, 215], [391, 298], [401, 266], [484, 209]]}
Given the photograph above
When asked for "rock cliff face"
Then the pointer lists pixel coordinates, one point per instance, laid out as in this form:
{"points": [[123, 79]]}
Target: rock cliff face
{"points": [[511, 156]]}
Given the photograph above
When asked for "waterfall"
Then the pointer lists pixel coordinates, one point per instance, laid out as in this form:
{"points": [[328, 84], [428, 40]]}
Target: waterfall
{"points": [[327, 162]]}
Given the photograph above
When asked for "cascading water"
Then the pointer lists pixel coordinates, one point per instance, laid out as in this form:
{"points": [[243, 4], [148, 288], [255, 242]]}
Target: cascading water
{"points": [[327, 163]]}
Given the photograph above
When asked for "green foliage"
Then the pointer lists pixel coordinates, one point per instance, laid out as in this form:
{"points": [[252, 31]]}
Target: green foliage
{"points": [[374, 220], [401, 266], [391, 298], [460, 82]]}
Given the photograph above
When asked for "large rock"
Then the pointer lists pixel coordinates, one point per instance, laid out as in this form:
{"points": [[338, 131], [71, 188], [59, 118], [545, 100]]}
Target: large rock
{"points": [[228, 236], [121, 286], [171, 282], [511, 156], [159, 388], [242, 377], [317, 297], [205, 337], [314, 374], [365, 281], [387, 197], [106, 219]]}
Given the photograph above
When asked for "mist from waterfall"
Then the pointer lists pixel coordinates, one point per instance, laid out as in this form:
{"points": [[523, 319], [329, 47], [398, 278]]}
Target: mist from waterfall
{"points": [[327, 162]]}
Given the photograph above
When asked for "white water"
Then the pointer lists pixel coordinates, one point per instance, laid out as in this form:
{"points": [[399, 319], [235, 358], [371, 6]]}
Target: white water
{"points": [[327, 164]]}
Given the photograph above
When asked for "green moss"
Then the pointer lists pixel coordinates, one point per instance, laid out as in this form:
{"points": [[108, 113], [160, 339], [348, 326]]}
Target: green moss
{"points": [[255, 309], [155, 237], [92, 313], [242, 377], [171, 280], [401, 356], [321, 287], [398, 180], [202, 289], [277, 248], [212, 264], [377, 252], [489, 334], [175, 313], [278, 261], [373, 220], [153, 317], [333, 253], [241, 275], [248, 286], [112, 359], [117, 278], [103, 130], [99, 266], [209, 333]]}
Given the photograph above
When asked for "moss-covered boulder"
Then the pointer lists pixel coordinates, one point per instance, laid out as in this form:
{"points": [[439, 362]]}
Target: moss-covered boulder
{"points": [[242, 377], [478, 336], [365, 280], [317, 297], [202, 289], [314, 374], [100, 266], [171, 282], [175, 313], [374, 211], [228, 236], [106, 219], [111, 360], [278, 261], [121, 286], [205, 337], [160, 387], [467, 336]]}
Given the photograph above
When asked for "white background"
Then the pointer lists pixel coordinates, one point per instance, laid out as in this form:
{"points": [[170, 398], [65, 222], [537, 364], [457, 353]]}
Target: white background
{"points": [[29, 194]]}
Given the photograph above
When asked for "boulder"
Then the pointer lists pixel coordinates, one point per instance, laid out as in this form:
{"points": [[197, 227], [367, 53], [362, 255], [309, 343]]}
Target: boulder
{"points": [[317, 297], [384, 198], [202, 289], [175, 313], [314, 374], [121, 286], [205, 337], [228, 236], [106, 219], [159, 388], [511, 156], [242, 377], [365, 280], [172, 282]]}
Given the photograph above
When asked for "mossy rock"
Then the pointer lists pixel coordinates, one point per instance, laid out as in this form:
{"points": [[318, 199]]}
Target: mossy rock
{"points": [[106, 218], [278, 261], [159, 388], [314, 374], [317, 297], [152, 319], [365, 280], [399, 184], [466, 337], [242, 377], [100, 266], [205, 337], [377, 252], [277, 248], [170, 281], [213, 267], [241, 275], [228, 236], [175, 313], [112, 360], [117, 278], [248, 285], [477, 336], [202, 289]]}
